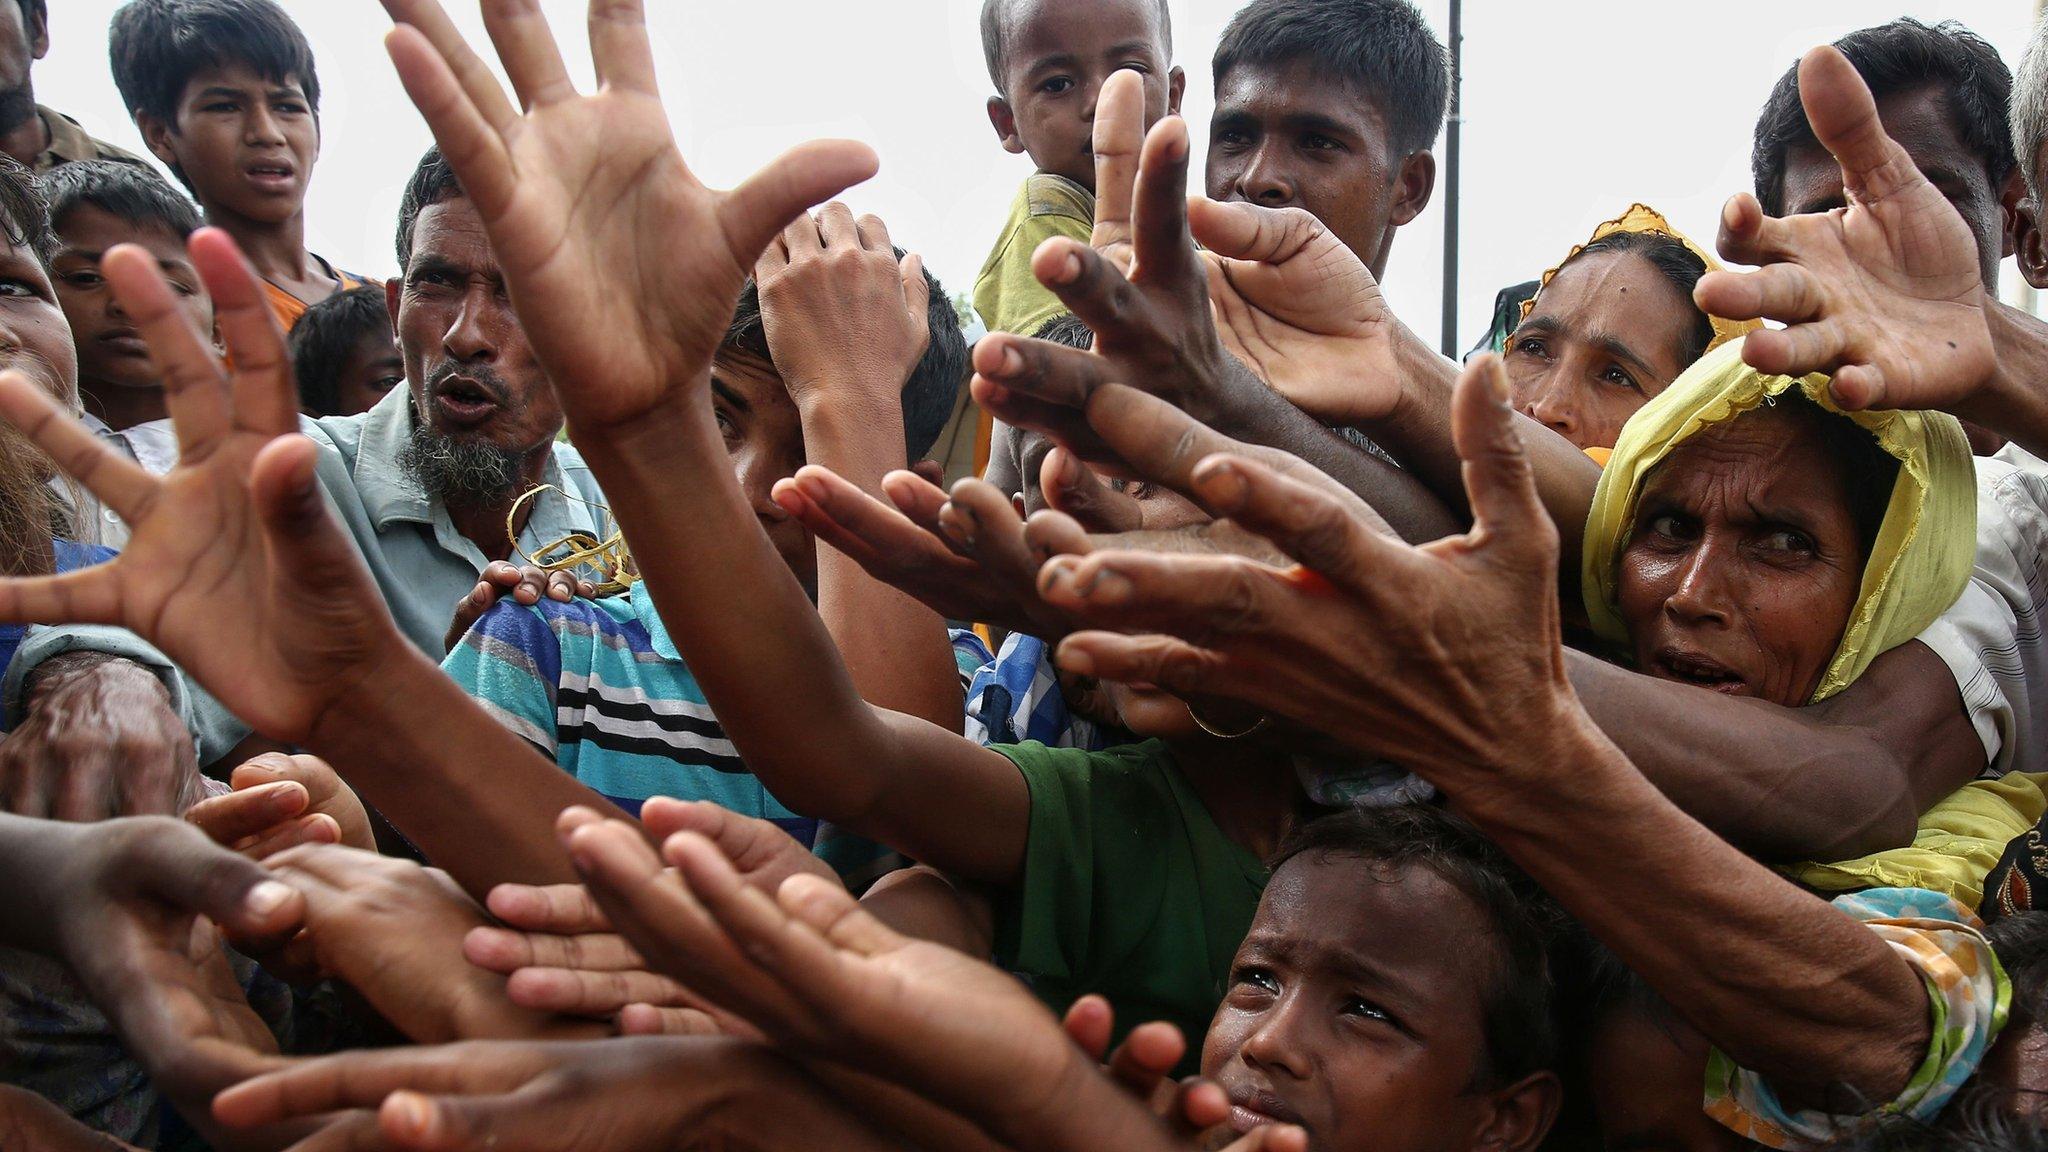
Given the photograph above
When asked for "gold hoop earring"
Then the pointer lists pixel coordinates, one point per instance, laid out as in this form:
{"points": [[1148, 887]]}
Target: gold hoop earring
{"points": [[1257, 725]]}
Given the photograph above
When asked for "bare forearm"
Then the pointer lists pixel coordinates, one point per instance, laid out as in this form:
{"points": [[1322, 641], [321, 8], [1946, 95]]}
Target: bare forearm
{"points": [[1262, 416], [895, 648], [479, 801], [1833, 781], [2012, 402], [1787, 986]]}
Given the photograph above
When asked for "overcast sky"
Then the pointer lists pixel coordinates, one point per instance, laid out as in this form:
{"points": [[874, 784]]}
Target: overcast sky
{"points": [[1572, 109]]}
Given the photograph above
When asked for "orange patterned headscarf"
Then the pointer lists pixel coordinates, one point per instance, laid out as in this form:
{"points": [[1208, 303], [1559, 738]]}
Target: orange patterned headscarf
{"points": [[1645, 219]]}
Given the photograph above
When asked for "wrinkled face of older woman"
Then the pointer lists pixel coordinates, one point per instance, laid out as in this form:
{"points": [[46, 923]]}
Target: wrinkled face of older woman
{"points": [[1744, 560], [1608, 333]]}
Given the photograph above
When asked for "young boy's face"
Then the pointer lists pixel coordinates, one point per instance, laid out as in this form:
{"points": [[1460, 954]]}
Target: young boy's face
{"points": [[1284, 137], [372, 369], [1057, 53], [765, 436], [34, 338], [245, 143], [110, 351], [1354, 1009]]}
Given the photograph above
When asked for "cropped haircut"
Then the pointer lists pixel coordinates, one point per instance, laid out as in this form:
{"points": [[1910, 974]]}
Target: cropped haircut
{"points": [[24, 214], [1518, 1009], [1902, 56], [995, 31], [127, 192], [433, 182], [934, 383], [157, 46], [2030, 107], [1676, 263], [323, 337], [1382, 49]]}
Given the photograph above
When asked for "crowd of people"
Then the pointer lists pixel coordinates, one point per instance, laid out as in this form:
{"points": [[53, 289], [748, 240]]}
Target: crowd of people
{"points": [[546, 700]]}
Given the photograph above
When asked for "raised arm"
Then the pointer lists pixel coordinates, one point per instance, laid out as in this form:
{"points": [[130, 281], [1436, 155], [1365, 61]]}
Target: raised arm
{"points": [[1447, 659], [569, 192]]}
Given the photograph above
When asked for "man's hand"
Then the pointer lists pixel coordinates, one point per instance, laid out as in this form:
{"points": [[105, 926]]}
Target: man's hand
{"points": [[639, 1095], [130, 906], [1887, 294], [845, 319], [1439, 657], [393, 931], [525, 583], [572, 189], [233, 544], [99, 740], [281, 801]]}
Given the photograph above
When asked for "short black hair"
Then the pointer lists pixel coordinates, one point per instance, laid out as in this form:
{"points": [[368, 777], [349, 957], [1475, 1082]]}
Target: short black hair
{"points": [[24, 214], [1382, 49], [1902, 56], [933, 386], [127, 191], [29, 8], [995, 29], [1519, 1009], [1068, 330], [324, 335], [157, 45], [1677, 263], [433, 182]]}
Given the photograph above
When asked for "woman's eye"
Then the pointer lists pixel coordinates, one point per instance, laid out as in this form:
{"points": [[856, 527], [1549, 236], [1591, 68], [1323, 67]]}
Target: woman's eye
{"points": [[1670, 526], [11, 287], [1788, 540], [1619, 377]]}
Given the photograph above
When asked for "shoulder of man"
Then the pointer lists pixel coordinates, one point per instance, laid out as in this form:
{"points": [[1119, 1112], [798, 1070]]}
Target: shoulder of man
{"points": [[69, 142]]}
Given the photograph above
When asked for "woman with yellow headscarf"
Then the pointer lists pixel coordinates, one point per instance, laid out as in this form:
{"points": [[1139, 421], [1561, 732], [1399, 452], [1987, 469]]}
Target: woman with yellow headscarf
{"points": [[1751, 538], [1610, 327]]}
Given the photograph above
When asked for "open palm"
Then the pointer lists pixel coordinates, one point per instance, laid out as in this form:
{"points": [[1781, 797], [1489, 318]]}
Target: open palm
{"points": [[234, 569], [624, 267]]}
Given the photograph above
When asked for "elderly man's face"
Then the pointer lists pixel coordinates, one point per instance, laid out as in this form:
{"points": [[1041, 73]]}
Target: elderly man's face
{"points": [[1920, 121], [472, 375]]}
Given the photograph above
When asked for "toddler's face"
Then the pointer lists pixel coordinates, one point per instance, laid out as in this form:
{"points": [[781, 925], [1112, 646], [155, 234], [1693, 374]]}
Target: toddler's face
{"points": [[1058, 53]]}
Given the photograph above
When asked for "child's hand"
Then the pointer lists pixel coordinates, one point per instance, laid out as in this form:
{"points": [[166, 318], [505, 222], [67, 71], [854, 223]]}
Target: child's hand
{"points": [[525, 583], [846, 321], [393, 931], [821, 976], [623, 267], [280, 801], [1143, 1064], [967, 557], [233, 543]]}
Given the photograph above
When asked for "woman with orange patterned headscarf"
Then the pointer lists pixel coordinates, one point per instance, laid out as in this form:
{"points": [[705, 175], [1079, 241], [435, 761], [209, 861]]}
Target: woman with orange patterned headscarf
{"points": [[1611, 327]]}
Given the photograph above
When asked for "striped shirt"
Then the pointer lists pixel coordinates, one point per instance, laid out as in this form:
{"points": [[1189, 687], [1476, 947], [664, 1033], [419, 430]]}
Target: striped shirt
{"points": [[598, 685]]}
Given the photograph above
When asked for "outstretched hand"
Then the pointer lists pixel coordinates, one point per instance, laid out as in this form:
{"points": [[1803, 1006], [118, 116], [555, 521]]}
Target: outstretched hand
{"points": [[1887, 295], [234, 541], [575, 189], [1439, 657]]}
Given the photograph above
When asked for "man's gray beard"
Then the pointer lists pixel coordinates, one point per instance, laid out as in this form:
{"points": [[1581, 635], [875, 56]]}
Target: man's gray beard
{"points": [[461, 473]]}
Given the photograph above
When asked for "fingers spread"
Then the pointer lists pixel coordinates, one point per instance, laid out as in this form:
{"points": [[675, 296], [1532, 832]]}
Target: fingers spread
{"points": [[527, 49], [120, 483], [805, 175], [472, 78], [1175, 665], [264, 396], [195, 387], [1165, 251], [1119, 136], [449, 92], [1091, 288], [1786, 293], [1844, 119], [619, 47]]}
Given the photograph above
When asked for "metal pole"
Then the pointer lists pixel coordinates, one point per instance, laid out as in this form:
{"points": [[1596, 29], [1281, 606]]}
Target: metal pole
{"points": [[1457, 45]]}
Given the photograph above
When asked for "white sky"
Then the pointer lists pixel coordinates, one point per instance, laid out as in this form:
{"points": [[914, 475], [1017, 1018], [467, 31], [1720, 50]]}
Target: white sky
{"points": [[1573, 108]]}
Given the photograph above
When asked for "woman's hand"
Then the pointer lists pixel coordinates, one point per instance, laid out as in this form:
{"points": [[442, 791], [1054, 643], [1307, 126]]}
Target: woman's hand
{"points": [[574, 189]]}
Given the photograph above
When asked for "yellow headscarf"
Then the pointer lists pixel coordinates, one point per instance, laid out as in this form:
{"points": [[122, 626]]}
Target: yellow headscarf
{"points": [[1924, 550], [1643, 218]]}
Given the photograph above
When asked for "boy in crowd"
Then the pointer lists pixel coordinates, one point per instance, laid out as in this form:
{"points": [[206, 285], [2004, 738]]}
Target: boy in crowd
{"points": [[344, 354], [1331, 106], [95, 205], [225, 94], [600, 686], [36, 137], [1047, 60]]}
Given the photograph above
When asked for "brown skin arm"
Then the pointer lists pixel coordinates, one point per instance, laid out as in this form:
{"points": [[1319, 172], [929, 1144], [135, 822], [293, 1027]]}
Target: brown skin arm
{"points": [[1831, 781]]}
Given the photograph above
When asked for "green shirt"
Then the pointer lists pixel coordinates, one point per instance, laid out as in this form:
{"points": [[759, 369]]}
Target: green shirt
{"points": [[1006, 294], [1129, 888]]}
